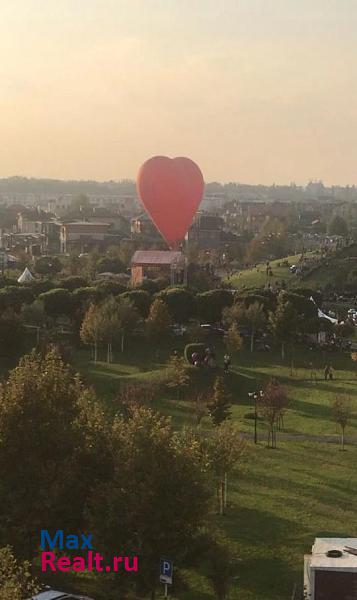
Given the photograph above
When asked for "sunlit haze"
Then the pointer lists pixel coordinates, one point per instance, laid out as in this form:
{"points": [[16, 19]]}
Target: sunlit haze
{"points": [[257, 91]]}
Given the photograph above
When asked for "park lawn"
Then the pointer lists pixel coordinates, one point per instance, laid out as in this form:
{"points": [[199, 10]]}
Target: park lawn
{"points": [[279, 500], [310, 400], [256, 277]]}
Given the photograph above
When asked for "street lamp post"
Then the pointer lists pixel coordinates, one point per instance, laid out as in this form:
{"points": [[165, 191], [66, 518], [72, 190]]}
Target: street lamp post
{"points": [[255, 418], [255, 396]]}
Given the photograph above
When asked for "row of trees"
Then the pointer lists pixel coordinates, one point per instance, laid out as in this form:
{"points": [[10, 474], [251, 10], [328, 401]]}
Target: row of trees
{"points": [[154, 485]]}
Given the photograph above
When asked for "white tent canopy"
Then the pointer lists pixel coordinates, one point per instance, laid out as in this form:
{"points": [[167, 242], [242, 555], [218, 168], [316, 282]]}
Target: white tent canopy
{"points": [[26, 276], [322, 315]]}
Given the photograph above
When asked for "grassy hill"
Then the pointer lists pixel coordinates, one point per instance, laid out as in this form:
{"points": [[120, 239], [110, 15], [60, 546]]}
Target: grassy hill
{"points": [[331, 271], [279, 500]]}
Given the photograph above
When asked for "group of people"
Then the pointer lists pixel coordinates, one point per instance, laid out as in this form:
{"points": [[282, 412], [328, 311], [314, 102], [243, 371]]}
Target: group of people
{"points": [[209, 359]]}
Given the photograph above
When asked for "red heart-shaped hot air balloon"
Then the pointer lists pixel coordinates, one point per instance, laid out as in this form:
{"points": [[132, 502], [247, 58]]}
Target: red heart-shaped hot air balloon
{"points": [[171, 191]]}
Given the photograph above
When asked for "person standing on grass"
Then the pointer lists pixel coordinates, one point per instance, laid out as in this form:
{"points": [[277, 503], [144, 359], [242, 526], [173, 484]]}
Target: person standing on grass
{"points": [[327, 372], [226, 362]]}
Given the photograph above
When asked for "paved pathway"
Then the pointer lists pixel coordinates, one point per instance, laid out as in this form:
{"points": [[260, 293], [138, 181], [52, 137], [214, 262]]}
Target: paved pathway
{"points": [[303, 437]]}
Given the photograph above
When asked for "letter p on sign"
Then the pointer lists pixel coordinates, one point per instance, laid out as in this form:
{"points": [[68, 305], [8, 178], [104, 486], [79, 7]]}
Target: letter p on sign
{"points": [[166, 571]]}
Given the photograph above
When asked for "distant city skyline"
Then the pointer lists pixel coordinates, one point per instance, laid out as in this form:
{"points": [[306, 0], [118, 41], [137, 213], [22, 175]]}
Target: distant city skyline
{"points": [[254, 91]]}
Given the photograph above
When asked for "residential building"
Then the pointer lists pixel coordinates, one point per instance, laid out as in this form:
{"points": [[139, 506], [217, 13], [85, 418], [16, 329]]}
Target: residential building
{"points": [[158, 263]]}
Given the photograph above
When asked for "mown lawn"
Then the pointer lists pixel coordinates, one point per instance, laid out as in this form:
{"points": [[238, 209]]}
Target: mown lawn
{"points": [[257, 277], [279, 500]]}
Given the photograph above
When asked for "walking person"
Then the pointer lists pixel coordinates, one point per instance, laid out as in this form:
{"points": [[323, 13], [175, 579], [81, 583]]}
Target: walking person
{"points": [[326, 372], [226, 362]]}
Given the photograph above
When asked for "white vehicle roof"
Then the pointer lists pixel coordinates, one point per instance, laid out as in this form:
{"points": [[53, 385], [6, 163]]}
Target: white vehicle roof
{"points": [[319, 559], [49, 595]]}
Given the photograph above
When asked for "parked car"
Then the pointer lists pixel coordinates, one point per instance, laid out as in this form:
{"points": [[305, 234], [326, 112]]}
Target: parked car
{"points": [[209, 328], [55, 595]]}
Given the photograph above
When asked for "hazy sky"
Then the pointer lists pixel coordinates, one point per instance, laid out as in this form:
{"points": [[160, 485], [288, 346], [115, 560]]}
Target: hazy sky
{"points": [[253, 90]]}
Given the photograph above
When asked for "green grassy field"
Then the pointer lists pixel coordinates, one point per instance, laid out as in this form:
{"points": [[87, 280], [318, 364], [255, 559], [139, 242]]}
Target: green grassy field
{"points": [[257, 277], [279, 500], [334, 271]]}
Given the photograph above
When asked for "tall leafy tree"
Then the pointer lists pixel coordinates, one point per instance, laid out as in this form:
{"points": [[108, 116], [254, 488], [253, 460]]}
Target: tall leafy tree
{"points": [[233, 339], [11, 334], [140, 299], [107, 322], [252, 316], [90, 331], [337, 226], [159, 495], [16, 581], [284, 323], [180, 302], [178, 377], [52, 449], [273, 402], [225, 449], [57, 302], [219, 406], [48, 265], [210, 304], [159, 320]]}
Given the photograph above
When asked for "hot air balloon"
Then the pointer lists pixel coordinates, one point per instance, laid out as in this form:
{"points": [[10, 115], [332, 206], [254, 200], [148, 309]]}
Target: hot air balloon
{"points": [[171, 191]]}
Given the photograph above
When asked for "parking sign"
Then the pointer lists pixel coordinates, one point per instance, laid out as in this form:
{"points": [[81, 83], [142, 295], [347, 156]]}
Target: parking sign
{"points": [[166, 571]]}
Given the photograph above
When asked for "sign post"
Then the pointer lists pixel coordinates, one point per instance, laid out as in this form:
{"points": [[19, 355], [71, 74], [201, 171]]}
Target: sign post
{"points": [[166, 573]]}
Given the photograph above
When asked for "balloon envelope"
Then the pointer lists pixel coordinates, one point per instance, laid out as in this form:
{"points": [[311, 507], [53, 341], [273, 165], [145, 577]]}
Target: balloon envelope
{"points": [[171, 191]]}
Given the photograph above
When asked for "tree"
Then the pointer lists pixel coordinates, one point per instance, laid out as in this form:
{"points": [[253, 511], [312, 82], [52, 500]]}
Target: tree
{"points": [[160, 488], [337, 226], [219, 406], [233, 339], [140, 299], [52, 447], [131, 395], [57, 303], [108, 321], [273, 404], [81, 299], [109, 324], [159, 321], [14, 297], [341, 413], [210, 304], [48, 265], [73, 282], [106, 264], [127, 317], [16, 581], [180, 302], [90, 332], [11, 334], [284, 323], [254, 316], [81, 204], [225, 449], [250, 314], [178, 374]]}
